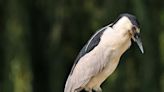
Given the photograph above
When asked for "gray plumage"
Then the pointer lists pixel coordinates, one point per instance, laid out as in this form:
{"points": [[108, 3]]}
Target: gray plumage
{"points": [[94, 41]]}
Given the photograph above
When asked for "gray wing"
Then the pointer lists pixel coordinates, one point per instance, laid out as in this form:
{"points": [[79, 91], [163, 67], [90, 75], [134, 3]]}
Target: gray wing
{"points": [[91, 44], [74, 81]]}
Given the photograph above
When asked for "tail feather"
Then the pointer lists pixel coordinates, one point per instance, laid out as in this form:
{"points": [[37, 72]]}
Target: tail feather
{"points": [[75, 85], [69, 85]]}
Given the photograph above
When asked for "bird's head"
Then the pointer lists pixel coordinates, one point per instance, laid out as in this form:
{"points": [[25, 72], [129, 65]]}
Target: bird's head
{"points": [[130, 25]]}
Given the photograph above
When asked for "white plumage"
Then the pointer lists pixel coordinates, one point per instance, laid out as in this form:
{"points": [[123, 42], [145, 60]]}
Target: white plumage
{"points": [[94, 66]]}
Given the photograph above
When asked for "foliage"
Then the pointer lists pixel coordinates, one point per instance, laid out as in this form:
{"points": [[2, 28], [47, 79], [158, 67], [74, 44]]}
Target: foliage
{"points": [[40, 39]]}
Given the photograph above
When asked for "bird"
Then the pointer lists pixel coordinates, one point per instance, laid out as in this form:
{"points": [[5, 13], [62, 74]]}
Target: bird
{"points": [[100, 56]]}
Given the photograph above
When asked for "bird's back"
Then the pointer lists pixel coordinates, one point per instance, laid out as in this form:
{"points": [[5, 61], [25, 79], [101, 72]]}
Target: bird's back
{"points": [[70, 85]]}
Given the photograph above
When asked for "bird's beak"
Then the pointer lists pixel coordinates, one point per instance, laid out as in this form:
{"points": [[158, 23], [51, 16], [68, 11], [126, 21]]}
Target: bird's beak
{"points": [[139, 43], [137, 39]]}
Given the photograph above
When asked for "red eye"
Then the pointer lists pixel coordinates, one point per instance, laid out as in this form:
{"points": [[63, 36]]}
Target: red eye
{"points": [[133, 28]]}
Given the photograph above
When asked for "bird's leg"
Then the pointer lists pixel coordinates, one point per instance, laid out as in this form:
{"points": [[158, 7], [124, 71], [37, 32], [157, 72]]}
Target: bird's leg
{"points": [[97, 89], [88, 89]]}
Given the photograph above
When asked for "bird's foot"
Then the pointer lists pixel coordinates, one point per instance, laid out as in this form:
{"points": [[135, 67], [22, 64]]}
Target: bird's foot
{"points": [[88, 89], [97, 89]]}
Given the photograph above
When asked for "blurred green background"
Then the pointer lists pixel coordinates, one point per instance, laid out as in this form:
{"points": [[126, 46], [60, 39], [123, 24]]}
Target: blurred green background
{"points": [[40, 39]]}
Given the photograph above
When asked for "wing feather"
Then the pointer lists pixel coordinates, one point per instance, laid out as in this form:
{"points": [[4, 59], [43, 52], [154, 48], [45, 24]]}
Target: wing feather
{"points": [[93, 42], [75, 80]]}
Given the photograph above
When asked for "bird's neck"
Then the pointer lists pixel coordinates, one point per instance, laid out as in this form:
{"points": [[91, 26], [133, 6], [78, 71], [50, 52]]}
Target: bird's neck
{"points": [[122, 26], [118, 41], [124, 38]]}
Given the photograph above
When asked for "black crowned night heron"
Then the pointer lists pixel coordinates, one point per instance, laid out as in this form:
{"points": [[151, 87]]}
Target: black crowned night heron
{"points": [[100, 56]]}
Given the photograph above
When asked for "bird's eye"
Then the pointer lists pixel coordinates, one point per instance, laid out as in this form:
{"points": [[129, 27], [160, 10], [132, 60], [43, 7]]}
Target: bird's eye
{"points": [[133, 28]]}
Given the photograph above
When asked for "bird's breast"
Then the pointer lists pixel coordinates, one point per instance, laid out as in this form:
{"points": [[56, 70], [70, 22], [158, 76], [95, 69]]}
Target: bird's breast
{"points": [[114, 43]]}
